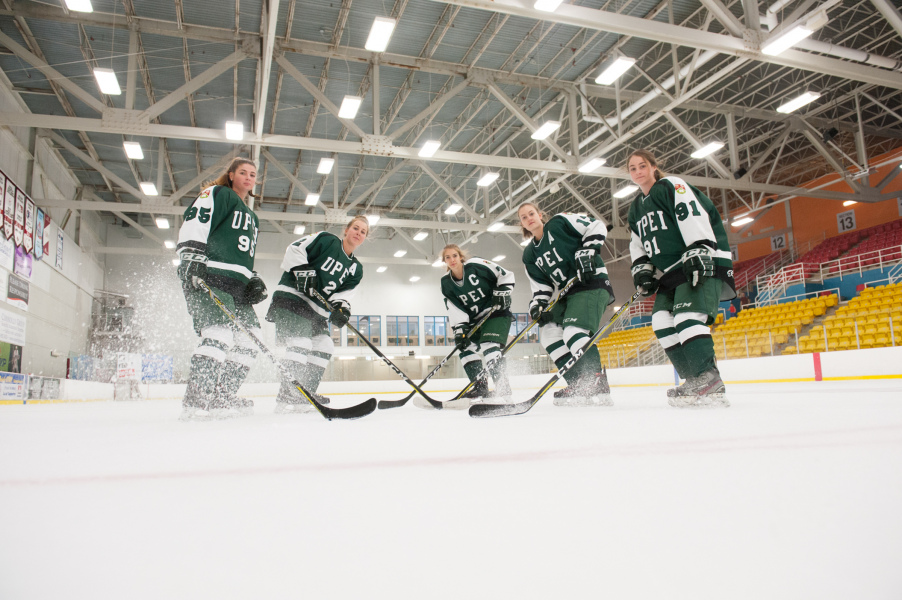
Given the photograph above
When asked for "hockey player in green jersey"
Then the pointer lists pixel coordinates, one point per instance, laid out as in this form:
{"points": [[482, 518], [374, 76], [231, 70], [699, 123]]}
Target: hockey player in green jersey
{"points": [[217, 242], [569, 246], [322, 262], [473, 288], [679, 249]]}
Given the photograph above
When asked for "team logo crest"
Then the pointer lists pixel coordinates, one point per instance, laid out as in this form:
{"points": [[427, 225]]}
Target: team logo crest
{"points": [[205, 194], [680, 188]]}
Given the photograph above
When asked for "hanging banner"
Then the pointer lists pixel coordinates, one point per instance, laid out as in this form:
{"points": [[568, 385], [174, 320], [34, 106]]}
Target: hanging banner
{"points": [[29, 225], [17, 292], [59, 249], [22, 263], [9, 208], [19, 225], [39, 235], [7, 254], [2, 188], [46, 235]]}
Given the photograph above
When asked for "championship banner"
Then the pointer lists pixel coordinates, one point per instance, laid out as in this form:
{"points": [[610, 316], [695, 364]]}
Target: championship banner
{"points": [[19, 225], [9, 208], [29, 225], [46, 234], [39, 235]]}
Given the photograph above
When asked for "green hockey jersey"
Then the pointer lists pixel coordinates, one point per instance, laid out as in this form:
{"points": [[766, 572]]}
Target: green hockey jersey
{"points": [[468, 299], [550, 261], [221, 226], [673, 216], [337, 273]]}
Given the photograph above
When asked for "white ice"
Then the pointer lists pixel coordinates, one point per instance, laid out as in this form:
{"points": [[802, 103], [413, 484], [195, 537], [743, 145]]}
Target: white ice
{"points": [[795, 492]]}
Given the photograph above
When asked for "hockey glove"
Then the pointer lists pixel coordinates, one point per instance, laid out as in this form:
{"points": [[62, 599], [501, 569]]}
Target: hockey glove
{"points": [[585, 264], [305, 280], [255, 290], [698, 264], [501, 299], [538, 311], [460, 337], [341, 313], [192, 269], [644, 278]]}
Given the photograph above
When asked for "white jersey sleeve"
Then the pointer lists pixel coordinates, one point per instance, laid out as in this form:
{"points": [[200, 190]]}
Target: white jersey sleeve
{"points": [[592, 230], [637, 251], [455, 315], [296, 253], [504, 277], [194, 233], [695, 227]]}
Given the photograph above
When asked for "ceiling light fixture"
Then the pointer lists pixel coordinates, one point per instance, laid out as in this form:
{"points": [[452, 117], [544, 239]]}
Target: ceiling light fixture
{"points": [[400, 253], [325, 166], [742, 221], [79, 5], [849, 203], [797, 103], [627, 191], [453, 209], [234, 130], [169, 244], [420, 236], [149, 188], [381, 269], [495, 226], [107, 82], [299, 229], [488, 179], [499, 258], [349, 107], [617, 68], [547, 5], [380, 34], [414, 279], [429, 148], [373, 219], [438, 263], [162, 222], [591, 165], [133, 150], [709, 148], [311, 200], [545, 130]]}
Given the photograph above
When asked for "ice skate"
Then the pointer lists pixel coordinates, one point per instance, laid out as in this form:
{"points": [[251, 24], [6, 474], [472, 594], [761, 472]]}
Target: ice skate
{"points": [[502, 393], [478, 392], [705, 391], [290, 401], [596, 391], [195, 413], [569, 396]]}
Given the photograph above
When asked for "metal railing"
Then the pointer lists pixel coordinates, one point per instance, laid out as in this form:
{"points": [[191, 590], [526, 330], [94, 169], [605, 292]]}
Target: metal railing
{"points": [[859, 263]]}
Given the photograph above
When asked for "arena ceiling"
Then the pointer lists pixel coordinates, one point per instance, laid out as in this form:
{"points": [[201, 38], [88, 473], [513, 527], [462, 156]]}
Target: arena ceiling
{"points": [[478, 76]]}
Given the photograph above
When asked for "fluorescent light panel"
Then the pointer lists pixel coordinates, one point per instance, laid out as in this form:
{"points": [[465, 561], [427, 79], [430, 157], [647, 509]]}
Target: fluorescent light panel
{"points": [[169, 244], [349, 107], [373, 219], [419, 237], [547, 5], [414, 279], [526, 242], [133, 150], [299, 229], [627, 191], [148, 188], [707, 149], [325, 166], [799, 102], [742, 221], [162, 223], [107, 82], [591, 165], [495, 226], [311, 200], [615, 70], [453, 209], [786, 40], [499, 258], [176, 262], [381, 269], [429, 148], [400, 253], [79, 5], [545, 130], [380, 34], [438, 263], [849, 203], [234, 130], [488, 179]]}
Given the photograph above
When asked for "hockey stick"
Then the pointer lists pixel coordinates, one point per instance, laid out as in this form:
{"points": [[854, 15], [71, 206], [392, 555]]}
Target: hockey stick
{"points": [[385, 359], [352, 412], [516, 339], [502, 410], [383, 404]]}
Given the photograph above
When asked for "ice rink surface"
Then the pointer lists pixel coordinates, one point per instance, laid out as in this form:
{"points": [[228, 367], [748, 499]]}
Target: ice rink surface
{"points": [[795, 492]]}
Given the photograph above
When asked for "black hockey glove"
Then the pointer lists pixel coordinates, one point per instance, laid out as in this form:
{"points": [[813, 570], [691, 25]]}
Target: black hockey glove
{"points": [[644, 277], [341, 313], [501, 299], [538, 310], [255, 290], [305, 280], [192, 269], [461, 340], [585, 264], [698, 264]]}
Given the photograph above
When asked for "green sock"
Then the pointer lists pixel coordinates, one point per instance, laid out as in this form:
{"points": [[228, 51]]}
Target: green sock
{"points": [[677, 356], [472, 369], [699, 354]]}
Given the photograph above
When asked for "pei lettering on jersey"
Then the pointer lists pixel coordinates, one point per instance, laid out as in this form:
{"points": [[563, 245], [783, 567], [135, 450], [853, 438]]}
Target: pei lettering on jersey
{"points": [[647, 222]]}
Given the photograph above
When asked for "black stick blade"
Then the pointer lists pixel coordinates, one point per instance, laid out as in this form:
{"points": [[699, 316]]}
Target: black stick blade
{"points": [[481, 411], [352, 412], [386, 404]]}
